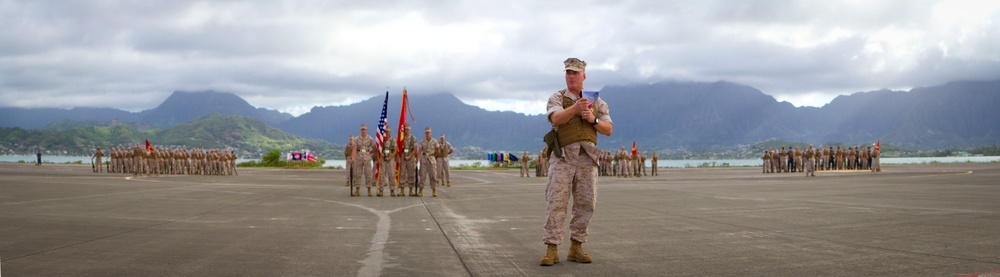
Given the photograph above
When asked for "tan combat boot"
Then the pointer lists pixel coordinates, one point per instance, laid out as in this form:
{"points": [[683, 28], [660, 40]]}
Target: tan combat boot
{"points": [[357, 191], [421, 193], [551, 255], [392, 193], [576, 253], [434, 192], [379, 193], [369, 192]]}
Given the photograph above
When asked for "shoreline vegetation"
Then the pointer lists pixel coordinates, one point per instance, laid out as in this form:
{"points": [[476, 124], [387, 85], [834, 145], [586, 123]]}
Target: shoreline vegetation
{"points": [[481, 166]]}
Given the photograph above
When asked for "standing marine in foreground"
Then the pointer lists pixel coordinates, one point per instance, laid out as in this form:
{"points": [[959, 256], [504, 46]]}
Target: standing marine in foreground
{"points": [[429, 149], [573, 163]]}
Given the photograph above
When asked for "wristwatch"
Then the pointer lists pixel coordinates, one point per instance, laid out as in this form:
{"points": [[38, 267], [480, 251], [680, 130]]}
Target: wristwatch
{"points": [[597, 121]]}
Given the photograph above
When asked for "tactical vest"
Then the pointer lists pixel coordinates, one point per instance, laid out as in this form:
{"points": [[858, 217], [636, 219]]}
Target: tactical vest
{"points": [[348, 150], [408, 144], [444, 150], [388, 148], [575, 129]]}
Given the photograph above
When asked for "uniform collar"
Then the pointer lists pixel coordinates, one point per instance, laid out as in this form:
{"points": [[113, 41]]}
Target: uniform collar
{"points": [[570, 94]]}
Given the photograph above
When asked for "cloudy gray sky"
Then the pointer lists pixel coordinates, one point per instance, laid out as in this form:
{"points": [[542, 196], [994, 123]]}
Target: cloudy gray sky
{"points": [[499, 55]]}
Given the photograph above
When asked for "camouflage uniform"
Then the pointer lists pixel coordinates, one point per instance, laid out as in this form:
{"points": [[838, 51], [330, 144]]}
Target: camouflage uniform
{"points": [[363, 161], [387, 171], [810, 159], [798, 160], [782, 158], [642, 163], [653, 160], [542, 164], [428, 148], [864, 158], [876, 165], [98, 164], [767, 160], [443, 169], [524, 164], [574, 173], [851, 157], [348, 151], [408, 165]]}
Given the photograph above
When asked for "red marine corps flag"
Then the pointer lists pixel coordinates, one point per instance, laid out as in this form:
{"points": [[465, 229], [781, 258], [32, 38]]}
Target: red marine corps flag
{"points": [[404, 109], [149, 147], [633, 148]]}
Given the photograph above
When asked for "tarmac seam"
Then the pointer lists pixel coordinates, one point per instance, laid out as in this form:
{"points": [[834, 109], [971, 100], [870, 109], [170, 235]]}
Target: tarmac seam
{"points": [[450, 243]]}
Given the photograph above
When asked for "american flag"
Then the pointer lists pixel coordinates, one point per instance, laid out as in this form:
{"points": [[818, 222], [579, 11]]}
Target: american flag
{"points": [[381, 124], [379, 133]]}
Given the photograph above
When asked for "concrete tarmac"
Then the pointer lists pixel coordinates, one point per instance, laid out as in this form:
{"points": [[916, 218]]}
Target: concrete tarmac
{"points": [[909, 220]]}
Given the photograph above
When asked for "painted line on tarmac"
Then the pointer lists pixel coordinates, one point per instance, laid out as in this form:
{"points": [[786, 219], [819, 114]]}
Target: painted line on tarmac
{"points": [[372, 264], [942, 174]]}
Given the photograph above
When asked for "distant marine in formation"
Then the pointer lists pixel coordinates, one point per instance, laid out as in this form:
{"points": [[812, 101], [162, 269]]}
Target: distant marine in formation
{"points": [[157, 160], [825, 158]]}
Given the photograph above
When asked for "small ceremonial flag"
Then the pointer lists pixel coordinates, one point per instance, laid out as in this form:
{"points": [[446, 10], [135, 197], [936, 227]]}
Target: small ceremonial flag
{"points": [[149, 147], [877, 144], [633, 148]]}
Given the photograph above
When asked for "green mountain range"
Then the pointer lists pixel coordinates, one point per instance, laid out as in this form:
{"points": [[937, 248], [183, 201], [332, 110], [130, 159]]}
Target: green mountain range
{"points": [[250, 137]]}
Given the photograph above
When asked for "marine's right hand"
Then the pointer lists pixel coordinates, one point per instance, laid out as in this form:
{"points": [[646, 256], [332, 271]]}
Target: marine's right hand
{"points": [[582, 104]]}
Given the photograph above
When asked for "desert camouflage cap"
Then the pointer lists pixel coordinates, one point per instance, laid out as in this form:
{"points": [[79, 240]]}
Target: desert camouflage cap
{"points": [[575, 64], [364, 126], [428, 129], [407, 126]]}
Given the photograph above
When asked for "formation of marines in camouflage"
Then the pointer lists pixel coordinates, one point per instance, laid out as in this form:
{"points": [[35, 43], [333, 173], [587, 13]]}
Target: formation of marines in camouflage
{"points": [[159, 160], [624, 165], [429, 155], [621, 164], [824, 158]]}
